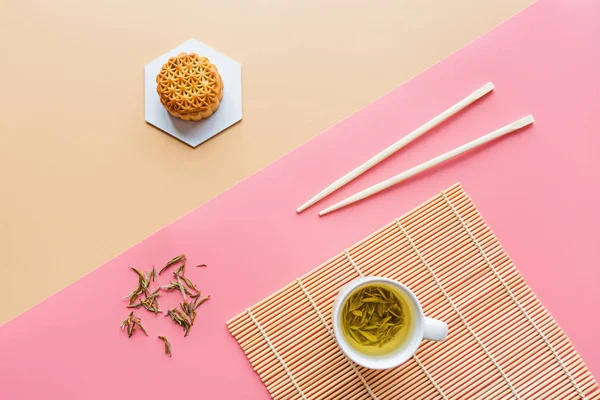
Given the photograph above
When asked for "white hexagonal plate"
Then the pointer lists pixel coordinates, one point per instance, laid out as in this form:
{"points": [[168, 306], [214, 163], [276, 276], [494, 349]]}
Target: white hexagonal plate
{"points": [[196, 132]]}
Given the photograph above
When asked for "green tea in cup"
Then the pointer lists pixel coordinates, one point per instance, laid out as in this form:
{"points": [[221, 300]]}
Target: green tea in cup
{"points": [[376, 319]]}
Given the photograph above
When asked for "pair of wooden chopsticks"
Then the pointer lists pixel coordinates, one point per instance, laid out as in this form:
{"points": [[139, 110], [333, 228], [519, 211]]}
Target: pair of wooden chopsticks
{"points": [[467, 101]]}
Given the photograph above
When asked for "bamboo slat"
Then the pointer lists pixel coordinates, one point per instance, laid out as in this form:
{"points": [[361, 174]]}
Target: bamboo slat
{"points": [[503, 343]]}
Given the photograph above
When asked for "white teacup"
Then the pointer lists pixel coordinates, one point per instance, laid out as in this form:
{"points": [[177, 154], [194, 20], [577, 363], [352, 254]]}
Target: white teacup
{"points": [[421, 327]]}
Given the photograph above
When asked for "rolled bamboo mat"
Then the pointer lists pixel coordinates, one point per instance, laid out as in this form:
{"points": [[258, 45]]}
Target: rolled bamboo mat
{"points": [[502, 344]]}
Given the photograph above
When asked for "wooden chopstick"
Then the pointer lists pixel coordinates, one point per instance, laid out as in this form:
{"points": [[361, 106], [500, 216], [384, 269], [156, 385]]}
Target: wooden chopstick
{"points": [[467, 101], [515, 126]]}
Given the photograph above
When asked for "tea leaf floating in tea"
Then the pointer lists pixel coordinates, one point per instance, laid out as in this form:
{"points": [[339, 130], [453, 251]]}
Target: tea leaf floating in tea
{"points": [[373, 315]]}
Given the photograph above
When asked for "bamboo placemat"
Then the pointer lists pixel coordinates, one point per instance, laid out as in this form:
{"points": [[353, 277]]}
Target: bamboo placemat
{"points": [[502, 344]]}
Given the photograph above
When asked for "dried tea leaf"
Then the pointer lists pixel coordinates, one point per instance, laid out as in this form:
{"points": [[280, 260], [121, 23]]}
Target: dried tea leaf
{"points": [[130, 329], [133, 296], [130, 323], [127, 322], [138, 273], [181, 270], [189, 283], [143, 284], [198, 302], [138, 322], [146, 281], [181, 288], [173, 261], [181, 319], [167, 345], [195, 296], [181, 315], [185, 307], [130, 295], [169, 287], [151, 304]]}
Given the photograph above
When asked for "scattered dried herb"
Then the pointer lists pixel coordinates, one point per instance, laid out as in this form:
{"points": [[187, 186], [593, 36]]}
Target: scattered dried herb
{"points": [[143, 284], [173, 261], [184, 316], [181, 287], [181, 270], [167, 345], [177, 286], [130, 324], [181, 319], [372, 316], [150, 303], [138, 322], [139, 274], [189, 283], [197, 302], [180, 276], [190, 308]]}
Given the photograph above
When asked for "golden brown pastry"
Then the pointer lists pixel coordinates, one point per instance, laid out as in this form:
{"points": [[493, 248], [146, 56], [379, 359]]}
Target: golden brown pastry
{"points": [[190, 87]]}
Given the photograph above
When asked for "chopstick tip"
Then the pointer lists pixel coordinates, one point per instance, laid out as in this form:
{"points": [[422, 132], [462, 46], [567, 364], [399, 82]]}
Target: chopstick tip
{"points": [[325, 211], [523, 122], [482, 91]]}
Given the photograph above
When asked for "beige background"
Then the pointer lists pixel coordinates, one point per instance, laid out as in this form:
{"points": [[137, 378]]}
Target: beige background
{"points": [[83, 177]]}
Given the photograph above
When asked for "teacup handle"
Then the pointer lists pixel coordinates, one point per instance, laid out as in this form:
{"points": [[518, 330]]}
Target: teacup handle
{"points": [[435, 329]]}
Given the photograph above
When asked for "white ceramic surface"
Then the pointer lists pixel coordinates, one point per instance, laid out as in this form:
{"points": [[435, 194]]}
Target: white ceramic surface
{"points": [[195, 132], [422, 327]]}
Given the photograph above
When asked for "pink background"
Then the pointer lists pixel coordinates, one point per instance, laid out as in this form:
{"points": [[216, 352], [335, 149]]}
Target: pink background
{"points": [[537, 189]]}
